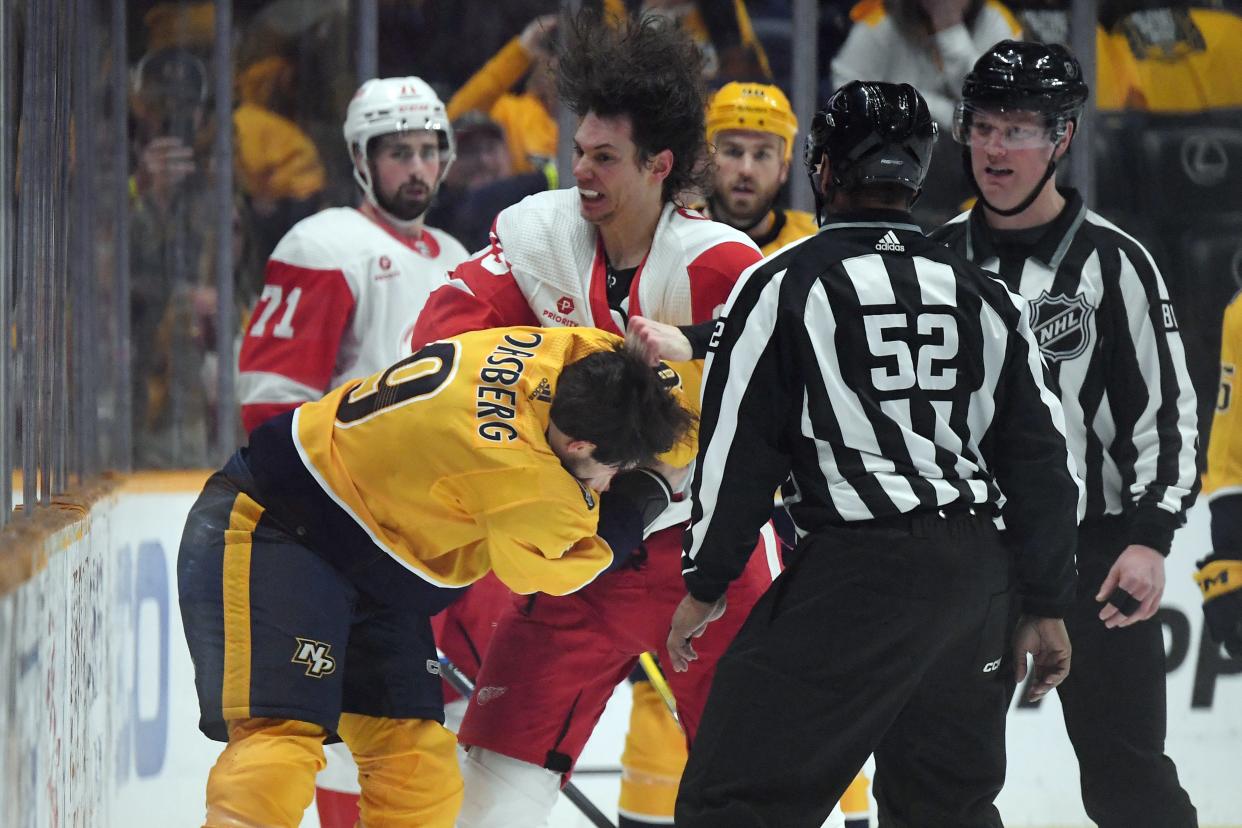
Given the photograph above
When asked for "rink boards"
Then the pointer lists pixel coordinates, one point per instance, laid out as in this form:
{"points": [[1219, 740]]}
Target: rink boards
{"points": [[98, 717]]}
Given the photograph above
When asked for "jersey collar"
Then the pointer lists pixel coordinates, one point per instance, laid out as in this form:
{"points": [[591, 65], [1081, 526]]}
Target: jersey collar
{"points": [[1052, 245], [424, 245], [875, 218], [774, 232]]}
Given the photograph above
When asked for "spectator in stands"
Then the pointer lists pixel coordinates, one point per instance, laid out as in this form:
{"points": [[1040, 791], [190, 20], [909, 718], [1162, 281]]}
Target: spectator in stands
{"points": [[1166, 56], [445, 41], [172, 277], [181, 25], [481, 182], [1185, 58], [721, 28], [279, 170], [482, 156], [528, 118], [1047, 21], [929, 43]]}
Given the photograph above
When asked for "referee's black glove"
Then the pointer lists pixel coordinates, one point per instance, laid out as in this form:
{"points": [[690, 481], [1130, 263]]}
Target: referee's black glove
{"points": [[1220, 579]]}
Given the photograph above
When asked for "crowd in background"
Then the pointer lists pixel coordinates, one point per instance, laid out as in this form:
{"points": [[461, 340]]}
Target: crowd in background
{"points": [[1167, 140]]}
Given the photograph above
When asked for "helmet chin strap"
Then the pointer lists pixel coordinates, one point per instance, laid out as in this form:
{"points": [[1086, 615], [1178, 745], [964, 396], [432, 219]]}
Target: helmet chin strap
{"points": [[368, 189], [1026, 202], [819, 199]]}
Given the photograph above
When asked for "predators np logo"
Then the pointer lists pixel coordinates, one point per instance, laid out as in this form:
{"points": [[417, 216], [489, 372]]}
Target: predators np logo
{"points": [[1062, 325], [315, 655]]}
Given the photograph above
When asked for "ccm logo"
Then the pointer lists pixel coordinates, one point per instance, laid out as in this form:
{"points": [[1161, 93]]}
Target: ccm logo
{"points": [[992, 666]]}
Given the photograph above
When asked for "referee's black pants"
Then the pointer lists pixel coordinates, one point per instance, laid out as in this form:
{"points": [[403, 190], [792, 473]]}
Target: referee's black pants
{"points": [[1114, 703], [893, 641]]}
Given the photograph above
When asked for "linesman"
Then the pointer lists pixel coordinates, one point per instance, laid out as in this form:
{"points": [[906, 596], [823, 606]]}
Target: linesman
{"points": [[1108, 333], [899, 391]]}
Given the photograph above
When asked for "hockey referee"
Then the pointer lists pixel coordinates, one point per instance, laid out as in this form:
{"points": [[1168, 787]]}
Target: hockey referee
{"points": [[1108, 333], [899, 390]]}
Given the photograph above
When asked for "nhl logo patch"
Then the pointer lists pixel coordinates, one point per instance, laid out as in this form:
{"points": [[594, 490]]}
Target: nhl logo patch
{"points": [[1062, 325]]}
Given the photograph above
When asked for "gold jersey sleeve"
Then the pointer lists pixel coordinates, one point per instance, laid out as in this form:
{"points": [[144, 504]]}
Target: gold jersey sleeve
{"points": [[443, 460], [1224, 461], [685, 380], [798, 225]]}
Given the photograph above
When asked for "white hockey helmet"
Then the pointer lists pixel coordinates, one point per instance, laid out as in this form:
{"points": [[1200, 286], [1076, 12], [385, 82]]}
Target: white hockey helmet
{"points": [[384, 105]]}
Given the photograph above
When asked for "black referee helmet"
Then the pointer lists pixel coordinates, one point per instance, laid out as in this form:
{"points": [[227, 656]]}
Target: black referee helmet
{"points": [[872, 133]]}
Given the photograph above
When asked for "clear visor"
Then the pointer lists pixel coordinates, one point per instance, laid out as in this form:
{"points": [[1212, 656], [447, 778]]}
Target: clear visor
{"points": [[1015, 129]]}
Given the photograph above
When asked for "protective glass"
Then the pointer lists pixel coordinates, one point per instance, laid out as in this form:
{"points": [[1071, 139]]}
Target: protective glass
{"points": [[1012, 130]]}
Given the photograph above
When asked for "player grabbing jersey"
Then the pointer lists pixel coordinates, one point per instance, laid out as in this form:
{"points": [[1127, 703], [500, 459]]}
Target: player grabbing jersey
{"points": [[344, 287], [311, 564], [616, 245]]}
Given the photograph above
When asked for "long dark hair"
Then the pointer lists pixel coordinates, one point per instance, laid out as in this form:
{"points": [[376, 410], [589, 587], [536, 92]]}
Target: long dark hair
{"points": [[649, 70], [615, 400]]}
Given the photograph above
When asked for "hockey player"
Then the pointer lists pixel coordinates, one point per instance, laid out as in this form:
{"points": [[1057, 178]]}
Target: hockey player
{"points": [[615, 245], [752, 128], [311, 564], [1220, 574], [1108, 333], [343, 287]]}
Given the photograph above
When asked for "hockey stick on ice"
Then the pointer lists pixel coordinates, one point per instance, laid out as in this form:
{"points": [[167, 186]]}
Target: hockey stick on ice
{"points": [[660, 684], [458, 681]]}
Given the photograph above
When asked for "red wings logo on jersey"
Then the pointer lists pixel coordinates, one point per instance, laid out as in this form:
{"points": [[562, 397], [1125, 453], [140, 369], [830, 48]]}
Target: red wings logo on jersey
{"points": [[494, 260]]}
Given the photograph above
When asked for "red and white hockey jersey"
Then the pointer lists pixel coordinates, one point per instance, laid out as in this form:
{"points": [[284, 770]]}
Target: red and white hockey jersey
{"points": [[340, 298], [546, 266]]}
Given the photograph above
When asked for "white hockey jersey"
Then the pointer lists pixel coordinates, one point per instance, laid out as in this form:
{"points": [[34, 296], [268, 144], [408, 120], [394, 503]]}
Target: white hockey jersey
{"points": [[340, 298], [546, 266]]}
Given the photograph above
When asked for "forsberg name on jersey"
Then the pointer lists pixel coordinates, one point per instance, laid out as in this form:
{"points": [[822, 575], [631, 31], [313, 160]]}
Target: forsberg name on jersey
{"points": [[495, 399]]}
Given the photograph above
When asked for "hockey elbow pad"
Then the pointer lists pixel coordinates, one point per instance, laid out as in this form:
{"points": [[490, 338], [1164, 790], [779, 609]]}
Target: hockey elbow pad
{"points": [[1220, 580], [632, 503]]}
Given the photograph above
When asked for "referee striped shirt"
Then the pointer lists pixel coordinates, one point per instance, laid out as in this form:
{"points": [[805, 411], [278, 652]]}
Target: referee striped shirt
{"points": [[1101, 313], [877, 373]]}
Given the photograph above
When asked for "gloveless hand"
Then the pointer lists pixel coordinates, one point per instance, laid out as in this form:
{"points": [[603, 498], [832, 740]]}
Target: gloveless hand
{"points": [[690, 621]]}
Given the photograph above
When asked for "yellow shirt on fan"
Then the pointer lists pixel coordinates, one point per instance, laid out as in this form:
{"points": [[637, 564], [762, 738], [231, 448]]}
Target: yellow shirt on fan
{"points": [[443, 460]]}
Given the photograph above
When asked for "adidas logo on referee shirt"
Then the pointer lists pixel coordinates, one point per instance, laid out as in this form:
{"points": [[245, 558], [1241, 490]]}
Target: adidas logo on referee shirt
{"points": [[890, 242]]}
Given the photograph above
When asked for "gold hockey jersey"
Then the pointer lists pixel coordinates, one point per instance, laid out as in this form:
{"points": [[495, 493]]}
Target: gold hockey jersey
{"points": [[789, 226], [1224, 463], [443, 460]]}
